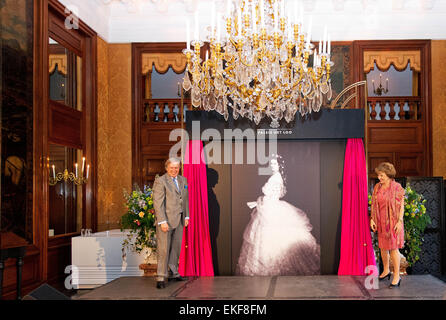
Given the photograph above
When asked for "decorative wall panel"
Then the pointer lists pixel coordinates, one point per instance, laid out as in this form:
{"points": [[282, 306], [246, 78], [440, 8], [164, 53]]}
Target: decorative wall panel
{"points": [[341, 73], [162, 62], [114, 131], [439, 107], [433, 247], [399, 59]]}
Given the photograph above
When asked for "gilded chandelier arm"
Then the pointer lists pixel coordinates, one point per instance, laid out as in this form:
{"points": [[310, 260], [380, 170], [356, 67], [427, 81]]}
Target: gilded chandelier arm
{"points": [[246, 64]]}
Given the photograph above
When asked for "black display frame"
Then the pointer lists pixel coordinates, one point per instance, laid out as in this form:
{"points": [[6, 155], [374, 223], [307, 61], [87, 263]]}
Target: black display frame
{"points": [[326, 126]]}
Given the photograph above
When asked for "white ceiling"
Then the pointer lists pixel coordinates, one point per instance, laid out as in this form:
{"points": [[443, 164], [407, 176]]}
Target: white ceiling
{"points": [[125, 21]]}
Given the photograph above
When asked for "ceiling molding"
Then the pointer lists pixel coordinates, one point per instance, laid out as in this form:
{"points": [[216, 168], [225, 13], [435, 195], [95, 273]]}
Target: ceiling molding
{"points": [[124, 21], [162, 6]]}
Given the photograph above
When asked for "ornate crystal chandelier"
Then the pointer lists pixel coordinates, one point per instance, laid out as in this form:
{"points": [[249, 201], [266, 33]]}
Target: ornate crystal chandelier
{"points": [[261, 65]]}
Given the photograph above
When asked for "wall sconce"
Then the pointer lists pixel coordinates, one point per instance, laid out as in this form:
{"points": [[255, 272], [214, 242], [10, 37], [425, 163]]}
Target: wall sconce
{"points": [[72, 176], [380, 90]]}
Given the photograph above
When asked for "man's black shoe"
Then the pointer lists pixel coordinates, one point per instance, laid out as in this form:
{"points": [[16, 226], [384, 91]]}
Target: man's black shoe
{"points": [[179, 278], [160, 284]]}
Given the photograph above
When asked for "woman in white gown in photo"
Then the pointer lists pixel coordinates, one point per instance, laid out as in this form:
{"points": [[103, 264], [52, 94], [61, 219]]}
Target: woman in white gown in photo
{"points": [[278, 239]]}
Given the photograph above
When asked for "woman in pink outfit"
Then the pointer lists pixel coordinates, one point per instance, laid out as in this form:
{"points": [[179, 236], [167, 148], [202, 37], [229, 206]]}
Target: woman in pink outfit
{"points": [[387, 219]]}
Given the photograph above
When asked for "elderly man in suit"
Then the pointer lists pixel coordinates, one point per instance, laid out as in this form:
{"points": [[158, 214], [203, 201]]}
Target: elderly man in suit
{"points": [[171, 204]]}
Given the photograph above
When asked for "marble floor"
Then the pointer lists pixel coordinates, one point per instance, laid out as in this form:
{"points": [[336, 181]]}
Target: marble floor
{"points": [[418, 287]]}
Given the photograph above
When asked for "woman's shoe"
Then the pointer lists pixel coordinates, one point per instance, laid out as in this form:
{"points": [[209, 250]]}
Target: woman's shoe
{"points": [[395, 285], [386, 276]]}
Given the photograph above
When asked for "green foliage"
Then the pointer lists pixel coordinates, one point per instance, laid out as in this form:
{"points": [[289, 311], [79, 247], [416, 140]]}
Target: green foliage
{"points": [[415, 222], [140, 220]]}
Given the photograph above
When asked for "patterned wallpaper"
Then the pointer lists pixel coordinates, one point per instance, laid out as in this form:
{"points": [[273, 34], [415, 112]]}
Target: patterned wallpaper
{"points": [[341, 73], [439, 107], [114, 131]]}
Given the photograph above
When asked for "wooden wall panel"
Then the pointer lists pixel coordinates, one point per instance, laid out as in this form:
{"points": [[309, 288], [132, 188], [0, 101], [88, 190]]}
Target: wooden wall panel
{"points": [[406, 163], [152, 165], [408, 141], [375, 158], [65, 126], [59, 257], [30, 274], [395, 135], [398, 143], [156, 137], [409, 164], [388, 136]]}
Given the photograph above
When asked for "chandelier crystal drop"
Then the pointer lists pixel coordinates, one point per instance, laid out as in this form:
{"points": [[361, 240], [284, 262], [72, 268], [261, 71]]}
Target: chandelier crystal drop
{"points": [[259, 65]]}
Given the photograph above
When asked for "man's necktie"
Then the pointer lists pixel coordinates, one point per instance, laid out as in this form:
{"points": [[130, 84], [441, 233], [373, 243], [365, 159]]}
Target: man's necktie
{"points": [[176, 183]]}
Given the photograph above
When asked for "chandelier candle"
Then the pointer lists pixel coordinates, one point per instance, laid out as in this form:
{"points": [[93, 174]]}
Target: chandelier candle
{"points": [[196, 34], [259, 73], [276, 18], [310, 25], [324, 46], [329, 47], [213, 19], [239, 21], [218, 27], [187, 34], [253, 18], [262, 14]]}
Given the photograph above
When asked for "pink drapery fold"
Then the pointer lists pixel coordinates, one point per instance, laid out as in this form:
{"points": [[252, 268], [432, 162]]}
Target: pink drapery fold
{"points": [[196, 253], [356, 243]]}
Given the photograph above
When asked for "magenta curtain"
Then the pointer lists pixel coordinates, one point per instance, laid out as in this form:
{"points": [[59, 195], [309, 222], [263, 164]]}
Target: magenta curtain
{"points": [[356, 242], [196, 253]]}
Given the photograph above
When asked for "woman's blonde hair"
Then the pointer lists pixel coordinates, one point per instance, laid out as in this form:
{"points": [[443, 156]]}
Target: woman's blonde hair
{"points": [[387, 168]]}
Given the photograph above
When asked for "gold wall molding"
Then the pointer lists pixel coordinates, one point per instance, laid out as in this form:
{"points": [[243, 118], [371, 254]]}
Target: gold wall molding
{"points": [[60, 60], [399, 59], [163, 61]]}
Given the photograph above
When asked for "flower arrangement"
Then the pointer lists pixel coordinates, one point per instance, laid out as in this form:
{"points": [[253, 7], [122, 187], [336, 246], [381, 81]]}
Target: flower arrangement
{"points": [[140, 220], [415, 222]]}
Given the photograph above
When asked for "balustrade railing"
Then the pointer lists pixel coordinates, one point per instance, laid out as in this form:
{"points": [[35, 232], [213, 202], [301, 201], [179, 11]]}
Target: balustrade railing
{"points": [[165, 111], [394, 108], [162, 111]]}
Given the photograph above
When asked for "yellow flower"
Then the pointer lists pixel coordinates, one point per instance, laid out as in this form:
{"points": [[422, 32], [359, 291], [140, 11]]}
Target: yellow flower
{"points": [[141, 214]]}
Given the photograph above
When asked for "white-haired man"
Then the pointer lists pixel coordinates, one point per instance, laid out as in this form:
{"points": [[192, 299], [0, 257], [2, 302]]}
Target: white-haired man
{"points": [[171, 204]]}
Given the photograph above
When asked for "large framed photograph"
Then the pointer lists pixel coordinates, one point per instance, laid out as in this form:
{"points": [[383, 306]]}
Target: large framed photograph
{"points": [[276, 217]]}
